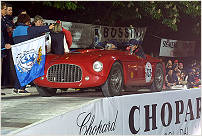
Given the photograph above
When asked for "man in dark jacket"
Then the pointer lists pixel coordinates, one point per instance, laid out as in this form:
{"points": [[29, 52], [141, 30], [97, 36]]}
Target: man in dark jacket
{"points": [[8, 69], [9, 21], [4, 34], [3, 22], [24, 32]]}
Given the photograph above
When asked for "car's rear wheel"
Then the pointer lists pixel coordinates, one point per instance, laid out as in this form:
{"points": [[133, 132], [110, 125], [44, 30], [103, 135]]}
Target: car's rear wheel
{"points": [[157, 84], [46, 92], [114, 84]]}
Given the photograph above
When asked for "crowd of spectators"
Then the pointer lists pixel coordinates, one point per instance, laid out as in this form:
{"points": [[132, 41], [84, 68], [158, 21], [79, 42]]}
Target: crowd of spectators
{"points": [[179, 77], [22, 30]]}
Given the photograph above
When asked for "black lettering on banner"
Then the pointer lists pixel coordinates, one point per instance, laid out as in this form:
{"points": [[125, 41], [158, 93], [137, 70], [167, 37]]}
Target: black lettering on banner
{"points": [[169, 114], [198, 107], [178, 111], [164, 44], [139, 34], [131, 120], [169, 44], [189, 106], [173, 44], [126, 33], [86, 123], [106, 31], [153, 117], [113, 32], [85, 120], [120, 32], [132, 31]]}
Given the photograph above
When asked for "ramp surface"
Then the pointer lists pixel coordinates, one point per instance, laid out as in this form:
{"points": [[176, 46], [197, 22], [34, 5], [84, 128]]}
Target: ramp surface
{"points": [[20, 111]]}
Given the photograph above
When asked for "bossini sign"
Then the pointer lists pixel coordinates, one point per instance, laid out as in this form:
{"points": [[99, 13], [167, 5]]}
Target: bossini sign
{"points": [[120, 34], [175, 112]]}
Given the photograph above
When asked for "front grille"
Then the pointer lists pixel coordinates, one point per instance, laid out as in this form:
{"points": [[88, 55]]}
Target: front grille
{"points": [[64, 73]]}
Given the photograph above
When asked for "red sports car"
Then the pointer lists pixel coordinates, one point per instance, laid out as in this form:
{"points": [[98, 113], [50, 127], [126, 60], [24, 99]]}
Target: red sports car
{"points": [[109, 70]]}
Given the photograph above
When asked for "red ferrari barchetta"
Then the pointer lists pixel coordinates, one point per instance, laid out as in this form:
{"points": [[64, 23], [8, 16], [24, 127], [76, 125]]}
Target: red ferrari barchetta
{"points": [[109, 70]]}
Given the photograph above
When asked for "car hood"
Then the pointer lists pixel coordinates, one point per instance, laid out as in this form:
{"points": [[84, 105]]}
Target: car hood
{"points": [[86, 55]]}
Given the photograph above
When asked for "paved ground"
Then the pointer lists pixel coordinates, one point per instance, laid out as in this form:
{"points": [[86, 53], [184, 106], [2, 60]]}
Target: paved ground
{"points": [[18, 111]]}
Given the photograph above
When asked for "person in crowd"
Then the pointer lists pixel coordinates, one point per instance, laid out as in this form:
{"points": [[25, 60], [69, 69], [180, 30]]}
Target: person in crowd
{"points": [[4, 35], [183, 78], [169, 66], [197, 77], [170, 79], [24, 32], [191, 79], [38, 21], [175, 68], [180, 66], [5, 59], [4, 22], [194, 63], [21, 11], [9, 19], [9, 11], [68, 35], [10, 70], [6, 46], [58, 42], [176, 63]]}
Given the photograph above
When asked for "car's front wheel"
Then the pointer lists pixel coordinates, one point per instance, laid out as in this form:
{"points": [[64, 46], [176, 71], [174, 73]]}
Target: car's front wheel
{"points": [[157, 84], [114, 84], [46, 92]]}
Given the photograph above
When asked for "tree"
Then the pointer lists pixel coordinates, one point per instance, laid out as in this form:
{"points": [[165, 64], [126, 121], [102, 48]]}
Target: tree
{"points": [[169, 13]]}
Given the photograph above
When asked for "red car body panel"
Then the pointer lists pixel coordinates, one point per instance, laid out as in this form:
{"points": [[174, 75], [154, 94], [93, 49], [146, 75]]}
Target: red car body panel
{"points": [[133, 68]]}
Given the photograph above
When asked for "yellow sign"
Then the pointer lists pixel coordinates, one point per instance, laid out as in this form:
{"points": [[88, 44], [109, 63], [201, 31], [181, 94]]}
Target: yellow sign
{"points": [[131, 75]]}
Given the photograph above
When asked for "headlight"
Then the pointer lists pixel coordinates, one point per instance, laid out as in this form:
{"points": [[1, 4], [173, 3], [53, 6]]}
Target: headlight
{"points": [[97, 66]]}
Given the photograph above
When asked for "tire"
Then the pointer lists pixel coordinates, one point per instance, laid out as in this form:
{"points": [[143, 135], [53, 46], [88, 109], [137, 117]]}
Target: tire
{"points": [[114, 83], [46, 92], [158, 82]]}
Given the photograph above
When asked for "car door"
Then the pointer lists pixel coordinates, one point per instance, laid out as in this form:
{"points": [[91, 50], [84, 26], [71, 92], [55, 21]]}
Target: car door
{"points": [[132, 65], [142, 71]]}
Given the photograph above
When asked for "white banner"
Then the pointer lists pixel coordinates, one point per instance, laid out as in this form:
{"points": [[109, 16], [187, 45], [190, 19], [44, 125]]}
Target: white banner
{"points": [[174, 48], [175, 112]]}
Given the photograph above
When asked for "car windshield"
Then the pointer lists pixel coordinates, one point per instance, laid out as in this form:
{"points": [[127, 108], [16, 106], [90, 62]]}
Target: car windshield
{"points": [[114, 45], [109, 45]]}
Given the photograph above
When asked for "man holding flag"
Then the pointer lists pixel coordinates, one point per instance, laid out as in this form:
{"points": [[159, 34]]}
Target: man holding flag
{"points": [[28, 53]]}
